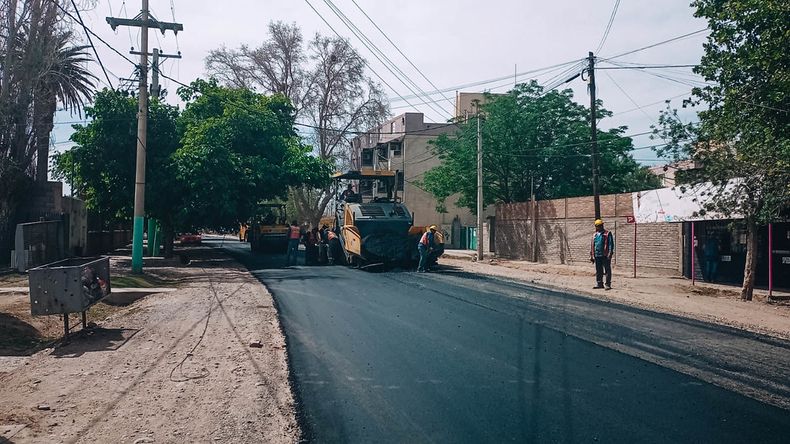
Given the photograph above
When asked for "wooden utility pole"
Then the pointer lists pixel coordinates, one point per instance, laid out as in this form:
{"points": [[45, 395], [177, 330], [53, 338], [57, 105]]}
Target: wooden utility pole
{"points": [[594, 137], [143, 21]]}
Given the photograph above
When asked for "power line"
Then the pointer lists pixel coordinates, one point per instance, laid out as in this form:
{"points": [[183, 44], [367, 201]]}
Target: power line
{"points": [[499, 79], [388, 64], [673, 39], [90, 40], [88, 30], [628, 96], [397, 48], [650, 104], [368, 65], [646, 66], [608, 27]]}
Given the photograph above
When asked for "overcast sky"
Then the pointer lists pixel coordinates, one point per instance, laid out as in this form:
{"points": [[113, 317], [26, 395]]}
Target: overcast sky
{"points": [[453, 42]]}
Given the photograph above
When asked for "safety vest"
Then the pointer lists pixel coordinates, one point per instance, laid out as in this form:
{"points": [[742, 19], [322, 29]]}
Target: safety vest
{"points": [[607, 238], [294, 233], [424, 239]]}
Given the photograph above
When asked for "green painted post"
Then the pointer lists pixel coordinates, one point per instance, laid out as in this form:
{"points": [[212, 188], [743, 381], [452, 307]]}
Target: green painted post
{"points": [[157, 238], [137, 244], [149, 251]]}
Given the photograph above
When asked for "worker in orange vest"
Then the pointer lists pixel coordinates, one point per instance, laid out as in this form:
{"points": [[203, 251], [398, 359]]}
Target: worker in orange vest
{"points": [[424, 247], [294, 234]]}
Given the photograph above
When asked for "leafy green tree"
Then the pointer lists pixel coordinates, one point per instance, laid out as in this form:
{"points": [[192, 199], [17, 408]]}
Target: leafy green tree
{"points": [[238, 148], [101, 167], [66, 80], [742, 141], [531, 135]]}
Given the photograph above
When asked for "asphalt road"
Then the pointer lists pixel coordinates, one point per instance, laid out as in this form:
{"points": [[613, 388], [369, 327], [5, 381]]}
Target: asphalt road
{"points": [[453, 357]]}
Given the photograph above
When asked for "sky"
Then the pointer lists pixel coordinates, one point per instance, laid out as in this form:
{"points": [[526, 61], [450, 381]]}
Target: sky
{"points": [[453, 42]]}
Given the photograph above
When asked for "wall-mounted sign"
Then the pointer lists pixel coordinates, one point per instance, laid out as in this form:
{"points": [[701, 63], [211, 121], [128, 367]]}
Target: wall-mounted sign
{"points": [[630, 219], [785, 260], [726, 258]]}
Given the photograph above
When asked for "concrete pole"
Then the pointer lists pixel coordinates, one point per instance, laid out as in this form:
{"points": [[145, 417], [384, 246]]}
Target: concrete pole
{"points": [[479, 190], [155, 73], [142, 132], [594, 137]]}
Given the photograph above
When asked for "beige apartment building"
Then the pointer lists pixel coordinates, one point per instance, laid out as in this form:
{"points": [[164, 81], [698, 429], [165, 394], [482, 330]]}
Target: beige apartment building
{"points": [[402, 145]]}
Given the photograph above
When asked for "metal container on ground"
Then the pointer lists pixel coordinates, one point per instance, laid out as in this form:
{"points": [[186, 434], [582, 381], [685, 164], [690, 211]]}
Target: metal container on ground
{"points": [[68, 286]]}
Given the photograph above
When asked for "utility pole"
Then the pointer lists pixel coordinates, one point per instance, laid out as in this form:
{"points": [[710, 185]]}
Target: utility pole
{"points": [[143, 21], [156, 54], [594, 138], [534, 214], [479, 190]]}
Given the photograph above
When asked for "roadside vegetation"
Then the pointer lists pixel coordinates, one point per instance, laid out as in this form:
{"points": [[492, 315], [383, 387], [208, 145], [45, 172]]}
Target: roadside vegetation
{"points": [[742, 139]]}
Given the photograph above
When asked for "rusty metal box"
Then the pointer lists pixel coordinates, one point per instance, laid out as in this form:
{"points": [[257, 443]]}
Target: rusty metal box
{"points": [[68, 286]]}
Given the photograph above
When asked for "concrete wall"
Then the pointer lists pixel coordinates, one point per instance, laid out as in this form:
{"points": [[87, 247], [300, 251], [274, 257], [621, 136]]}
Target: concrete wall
{"points": [[565, 227], [77, 229]]}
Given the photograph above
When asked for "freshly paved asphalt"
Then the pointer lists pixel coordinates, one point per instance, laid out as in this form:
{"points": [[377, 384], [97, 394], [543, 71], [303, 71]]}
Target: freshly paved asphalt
{"points": [[453, 357]]}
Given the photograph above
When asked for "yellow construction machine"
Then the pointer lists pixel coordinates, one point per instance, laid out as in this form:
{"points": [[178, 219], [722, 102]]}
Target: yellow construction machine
{"points": [[267, 232], [373, 226]]}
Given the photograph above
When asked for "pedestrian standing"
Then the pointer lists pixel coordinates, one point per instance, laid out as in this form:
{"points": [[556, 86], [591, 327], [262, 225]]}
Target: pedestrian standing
{"points": [[601, 251], [424, 247], [294, 234]]}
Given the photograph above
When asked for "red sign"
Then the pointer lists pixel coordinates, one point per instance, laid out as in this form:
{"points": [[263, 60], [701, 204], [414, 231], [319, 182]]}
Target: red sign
{"points": [[630, 219]]}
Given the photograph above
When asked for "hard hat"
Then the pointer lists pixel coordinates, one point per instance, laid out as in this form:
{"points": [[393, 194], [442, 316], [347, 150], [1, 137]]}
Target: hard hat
{"points": [[432, 227], [598, 222]]}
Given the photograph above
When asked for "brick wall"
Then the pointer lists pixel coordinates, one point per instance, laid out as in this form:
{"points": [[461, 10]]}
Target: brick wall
{"points": [[564, 230]]}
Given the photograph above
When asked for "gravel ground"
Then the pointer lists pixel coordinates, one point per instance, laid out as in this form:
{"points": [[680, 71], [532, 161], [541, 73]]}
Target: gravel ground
{"points": [[204, 363]]}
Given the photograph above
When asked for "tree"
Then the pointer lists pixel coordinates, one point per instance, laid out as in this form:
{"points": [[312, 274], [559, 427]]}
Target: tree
{"points": [[101, 167], [206, 167], [238, 148], [742, 140], [531, 135], [34, 42], [325, 81], [65, 80]]}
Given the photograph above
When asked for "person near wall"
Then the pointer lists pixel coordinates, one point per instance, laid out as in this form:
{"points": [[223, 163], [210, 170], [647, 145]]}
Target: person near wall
{"points": [[294, 235], [711, 253], [424, 247], [601, 251]]}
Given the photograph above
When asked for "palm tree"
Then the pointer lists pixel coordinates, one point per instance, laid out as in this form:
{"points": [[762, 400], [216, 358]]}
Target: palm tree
{"points": [[65, 80]]}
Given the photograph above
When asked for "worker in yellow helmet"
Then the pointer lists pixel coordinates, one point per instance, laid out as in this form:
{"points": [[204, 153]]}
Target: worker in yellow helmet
{"points": [[601, 252], [424, 247]]}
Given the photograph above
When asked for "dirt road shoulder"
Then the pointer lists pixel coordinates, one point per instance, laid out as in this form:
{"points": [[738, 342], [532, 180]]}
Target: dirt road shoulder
{"points": [[203, 363]]}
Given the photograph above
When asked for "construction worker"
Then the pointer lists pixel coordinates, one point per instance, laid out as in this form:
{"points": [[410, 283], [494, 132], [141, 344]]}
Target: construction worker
{"points": [[349, 195], [424, 247], [601, 251], [294, 235]]}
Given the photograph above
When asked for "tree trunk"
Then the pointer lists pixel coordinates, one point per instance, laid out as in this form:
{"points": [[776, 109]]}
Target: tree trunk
{"points": [[751, 261], [44, 108], [167, 239], [7, 216]]}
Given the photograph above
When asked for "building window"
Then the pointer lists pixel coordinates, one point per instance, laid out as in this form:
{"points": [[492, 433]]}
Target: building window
{"points": [[401, 181], [396, 149], [392, 127], [383, 152], [367, 158]]}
